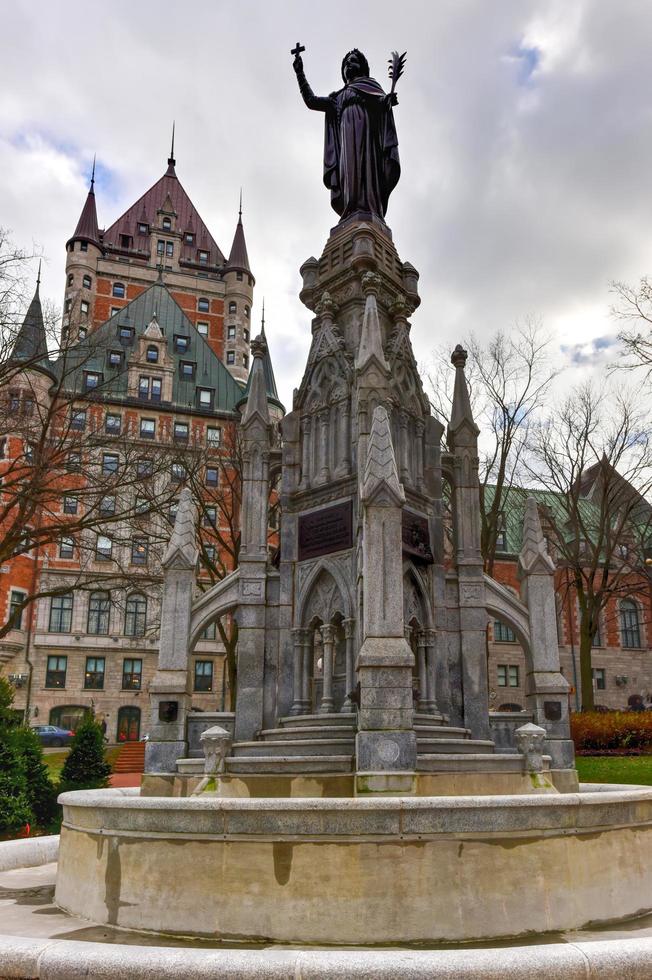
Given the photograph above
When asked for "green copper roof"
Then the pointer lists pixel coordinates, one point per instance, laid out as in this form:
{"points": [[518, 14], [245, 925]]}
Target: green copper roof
{"points": [[92, 354]]}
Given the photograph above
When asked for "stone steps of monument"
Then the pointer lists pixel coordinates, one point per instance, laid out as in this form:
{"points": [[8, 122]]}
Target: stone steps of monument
{"points": [[473, 762], [316, 732], [441, 731], [336, 718], [461, 746], [301, 764], [424, 718], [293, 747]]}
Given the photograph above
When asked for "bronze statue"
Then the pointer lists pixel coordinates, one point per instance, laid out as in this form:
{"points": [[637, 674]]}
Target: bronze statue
{"points": [[361, 163]]}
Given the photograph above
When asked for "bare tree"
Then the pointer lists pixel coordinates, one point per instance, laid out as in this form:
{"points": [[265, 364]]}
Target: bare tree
{"points": [[508, 380], [634, 309], [592, 457]]}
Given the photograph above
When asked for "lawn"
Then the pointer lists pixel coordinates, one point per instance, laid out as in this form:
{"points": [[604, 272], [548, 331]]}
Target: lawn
{"points": [[55, 760], [615, 769]]}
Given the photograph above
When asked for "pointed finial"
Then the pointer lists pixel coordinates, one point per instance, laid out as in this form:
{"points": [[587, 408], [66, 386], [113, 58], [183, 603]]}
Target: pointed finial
{"points": [[171, 160], [92, 187], [262, 320], [38, 278], [240, 208]]}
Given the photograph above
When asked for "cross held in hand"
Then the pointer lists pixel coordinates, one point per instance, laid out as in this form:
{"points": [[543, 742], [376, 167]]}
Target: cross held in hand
{"points": [[297, 51]]}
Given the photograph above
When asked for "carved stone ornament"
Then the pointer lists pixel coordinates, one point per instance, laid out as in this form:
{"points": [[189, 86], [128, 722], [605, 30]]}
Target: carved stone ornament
{"points": [[326, 305], [530, 741], [216, 745]]}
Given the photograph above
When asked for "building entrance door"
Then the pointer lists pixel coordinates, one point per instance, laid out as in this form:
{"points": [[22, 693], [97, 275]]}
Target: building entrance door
{"points": [[128, 724]]}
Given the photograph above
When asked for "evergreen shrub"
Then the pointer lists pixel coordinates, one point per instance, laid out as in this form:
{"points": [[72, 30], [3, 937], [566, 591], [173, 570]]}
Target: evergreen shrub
{"points": [[85, 766]]}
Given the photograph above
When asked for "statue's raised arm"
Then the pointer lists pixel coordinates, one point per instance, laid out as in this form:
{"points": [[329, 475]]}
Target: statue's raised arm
{"points": [[361, 163]]}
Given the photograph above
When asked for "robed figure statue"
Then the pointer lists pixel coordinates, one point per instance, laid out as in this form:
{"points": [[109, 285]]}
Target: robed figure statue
{"points": [[361, 164]]}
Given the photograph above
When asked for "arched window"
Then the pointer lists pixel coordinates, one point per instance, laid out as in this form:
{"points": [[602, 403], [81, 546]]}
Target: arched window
{"points": [[136, 615], [152, 354], [99, 610], [118, 290], [87, 282], [233, 307], [246, 312], [70, 278], [630, 627]]}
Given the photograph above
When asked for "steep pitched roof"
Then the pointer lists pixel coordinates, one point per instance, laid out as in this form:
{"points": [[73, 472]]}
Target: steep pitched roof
{"points": [[87, 228], [270, 380], [238, 258], [166, 194], [91, 354], [30, 344]]}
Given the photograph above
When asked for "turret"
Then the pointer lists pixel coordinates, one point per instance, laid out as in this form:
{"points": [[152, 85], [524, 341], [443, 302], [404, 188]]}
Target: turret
{"points": [[238, 299], [30, 373], [83, 250], [275, 406]]}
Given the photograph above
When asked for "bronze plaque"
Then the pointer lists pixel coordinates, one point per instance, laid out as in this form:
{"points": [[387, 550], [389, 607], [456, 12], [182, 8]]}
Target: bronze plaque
{"points": [[416, 537], [552, 710], [323, 531]]}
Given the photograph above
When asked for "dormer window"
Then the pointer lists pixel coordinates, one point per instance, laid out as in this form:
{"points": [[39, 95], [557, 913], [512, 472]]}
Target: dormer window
{"points": [[143, 229], [152, 354], [203, 305], [92, 379], [125, 241], [203, 258], [181, 343], [205, 398], [115, 358], [187, 370], [118, 290], [167, 224], [126, 334], [189, 237], [233, 307]]}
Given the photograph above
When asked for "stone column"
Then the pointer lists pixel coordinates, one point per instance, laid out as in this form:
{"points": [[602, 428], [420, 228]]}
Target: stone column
{"points": [[431, 667], [297, 667], [169, 690], [349, 635], [386, 742], [304, 483], [306, 677], [421, 662], [546, 687], [324, 469], [344, 466], [419, 429], [328, 638], [404, 447]]}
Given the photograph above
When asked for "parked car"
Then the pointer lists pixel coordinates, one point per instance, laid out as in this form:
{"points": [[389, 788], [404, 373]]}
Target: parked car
{"points": [[52, 735]]}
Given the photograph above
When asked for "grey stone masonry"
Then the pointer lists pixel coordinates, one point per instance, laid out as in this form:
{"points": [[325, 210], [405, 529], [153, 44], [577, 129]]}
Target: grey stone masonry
{"points": [[169, 691], [546, 687]]}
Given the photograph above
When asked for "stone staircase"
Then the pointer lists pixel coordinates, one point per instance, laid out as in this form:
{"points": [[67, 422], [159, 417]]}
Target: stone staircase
{"points": [[131, 758]]}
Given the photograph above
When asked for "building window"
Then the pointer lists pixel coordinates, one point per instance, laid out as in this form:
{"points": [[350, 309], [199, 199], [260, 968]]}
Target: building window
{"points": [[147, 428], [246, 312], [132, 672], [83, 246], [107, 506], [14, 401], [67, 548], [630, 628], [150, 388], [245, 334], [203, 258], [507, 675], [600, 678], [187, 370], [212, 476], [82, 333], [177, 474], [78, 420], [71, 279], [109, 463], [94, 673], [169, 249], [112, 424], [245, 360], [144, 468], [211, 553], [103, 548], [203, 675], [181, 431], [233, 307], [501, 533], [160, 247], [87, 282], [61, 614], [136, 615], [115, 358], [55, 674], [70, 504], [16, 599], [115, 309], [503, 633], [239, 276], [597, 638], [167, 224], [181, 343], [205, 398], [83, 307], [126, 335], [230, 333], [210, 632], [118, 290], [125, 241], [230, 357], [210, 516], [213, 436], [202, 328], [92, 379], [73, 463], [152, 354], [141, 506], [203, 305], [139, 551], [189, 238], [67, 305], [99, 611], [143, 229]]}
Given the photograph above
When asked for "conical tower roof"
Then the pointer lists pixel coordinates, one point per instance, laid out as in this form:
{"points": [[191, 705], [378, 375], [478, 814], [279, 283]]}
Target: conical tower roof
{"points": [[238, 258], [87, 228], [30, 347]]}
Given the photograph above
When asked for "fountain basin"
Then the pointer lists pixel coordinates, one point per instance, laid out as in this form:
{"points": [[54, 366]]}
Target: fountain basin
{"points": [[356, 871]]}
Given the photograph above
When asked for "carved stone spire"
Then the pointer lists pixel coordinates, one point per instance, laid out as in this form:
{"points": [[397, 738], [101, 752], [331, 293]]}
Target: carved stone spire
{"points": [[371, 340], [257, 400], [381, 474], [181, 551], [461, 411], [534, 555]]}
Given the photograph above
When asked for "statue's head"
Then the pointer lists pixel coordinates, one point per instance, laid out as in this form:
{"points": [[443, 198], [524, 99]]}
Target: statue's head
{"points": [[354, 65]]}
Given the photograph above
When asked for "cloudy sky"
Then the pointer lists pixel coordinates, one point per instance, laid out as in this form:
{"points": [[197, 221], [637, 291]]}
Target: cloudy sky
{"points": [[525, 133]]}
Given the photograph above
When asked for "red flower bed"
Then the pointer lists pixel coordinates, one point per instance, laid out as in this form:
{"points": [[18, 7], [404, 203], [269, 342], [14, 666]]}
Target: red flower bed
{"points": [[616, 732]]}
